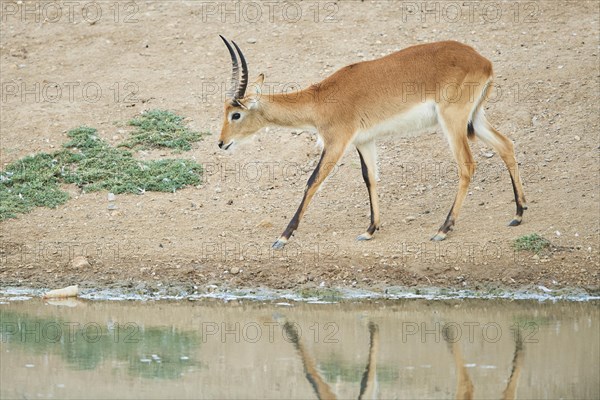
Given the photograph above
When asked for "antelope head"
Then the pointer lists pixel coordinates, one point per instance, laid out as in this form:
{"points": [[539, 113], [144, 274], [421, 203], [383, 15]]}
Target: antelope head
{"points": [[242, 117]]}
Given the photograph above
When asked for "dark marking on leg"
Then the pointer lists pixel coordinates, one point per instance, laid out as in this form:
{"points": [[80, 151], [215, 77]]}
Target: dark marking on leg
{"points": [[295, 221], [449, 223], [365, 170], [446, 226], [519, 217], [365, 173], [470, 130], [520, 207]]}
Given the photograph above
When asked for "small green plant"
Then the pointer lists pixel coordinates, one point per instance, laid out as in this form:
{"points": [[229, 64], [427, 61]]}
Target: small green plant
{"points": [[99, 166], [161, 128], [92, 164], [30, 182], [532, 242]]}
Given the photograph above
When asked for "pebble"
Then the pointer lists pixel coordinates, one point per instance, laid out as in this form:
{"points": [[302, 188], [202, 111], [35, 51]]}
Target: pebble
{"points": [[234, 270], [80, 262], [251, 40], [265, 223]]}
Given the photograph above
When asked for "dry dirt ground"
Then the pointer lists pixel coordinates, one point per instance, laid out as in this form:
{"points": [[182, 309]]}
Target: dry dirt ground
{"points": [[68, 65]]}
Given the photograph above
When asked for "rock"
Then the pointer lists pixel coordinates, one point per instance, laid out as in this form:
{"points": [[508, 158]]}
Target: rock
{"points": [[70, 291], [251, 40], [234, 270], [265, 223], [80, 262], [112, 197], [410, 218]]}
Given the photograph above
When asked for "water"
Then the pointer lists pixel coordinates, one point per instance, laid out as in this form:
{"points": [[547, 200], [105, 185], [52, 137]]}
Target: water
{"points": [[383, 349]]}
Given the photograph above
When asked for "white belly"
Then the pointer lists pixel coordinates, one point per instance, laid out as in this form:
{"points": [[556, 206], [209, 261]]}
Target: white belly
{"points": [[413, 122]]}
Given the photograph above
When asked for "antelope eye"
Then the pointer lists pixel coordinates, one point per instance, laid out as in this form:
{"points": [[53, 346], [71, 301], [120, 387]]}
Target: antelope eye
{"points": [[235, 116]]}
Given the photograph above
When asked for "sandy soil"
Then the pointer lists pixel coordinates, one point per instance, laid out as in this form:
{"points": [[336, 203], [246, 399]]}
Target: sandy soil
{"points": [[77, 67]]}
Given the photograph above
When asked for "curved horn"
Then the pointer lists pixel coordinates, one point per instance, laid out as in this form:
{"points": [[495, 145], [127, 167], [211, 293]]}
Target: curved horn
{"points": [[241, 90], [235, 73]]}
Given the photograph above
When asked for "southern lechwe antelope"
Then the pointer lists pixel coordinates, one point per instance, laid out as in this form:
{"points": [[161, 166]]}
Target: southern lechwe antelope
{"points": [[413, 90]]}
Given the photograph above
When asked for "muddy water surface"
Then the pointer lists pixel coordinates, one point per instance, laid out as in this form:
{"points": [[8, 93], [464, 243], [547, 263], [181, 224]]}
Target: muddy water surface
{"points": [[268, 350]]}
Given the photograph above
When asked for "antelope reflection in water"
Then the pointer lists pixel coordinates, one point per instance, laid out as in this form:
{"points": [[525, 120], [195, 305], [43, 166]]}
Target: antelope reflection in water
{"points": [[321, 388], [464, 388]]}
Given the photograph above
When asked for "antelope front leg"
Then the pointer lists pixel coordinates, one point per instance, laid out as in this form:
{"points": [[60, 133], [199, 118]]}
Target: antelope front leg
{"points": [[368, 160], [329, 158]]}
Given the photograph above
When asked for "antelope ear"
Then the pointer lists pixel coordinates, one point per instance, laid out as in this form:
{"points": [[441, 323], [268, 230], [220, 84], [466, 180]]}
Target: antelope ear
{"points": [[254, 93], [256, 86]]}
